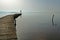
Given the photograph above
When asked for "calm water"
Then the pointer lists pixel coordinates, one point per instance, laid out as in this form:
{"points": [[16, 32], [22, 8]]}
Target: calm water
{"points": [[38, 26]]}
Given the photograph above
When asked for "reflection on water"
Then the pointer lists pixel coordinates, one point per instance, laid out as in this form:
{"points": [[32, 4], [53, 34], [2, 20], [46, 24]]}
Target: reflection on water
{"points": [[38, 26]]}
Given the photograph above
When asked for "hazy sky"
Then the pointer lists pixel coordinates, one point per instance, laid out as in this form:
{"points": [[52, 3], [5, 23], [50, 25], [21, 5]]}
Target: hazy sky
{"points": [[30, 5]]}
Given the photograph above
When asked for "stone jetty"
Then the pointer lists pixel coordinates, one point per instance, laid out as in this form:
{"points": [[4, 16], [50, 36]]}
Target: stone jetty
{"points": [[8, 27]]}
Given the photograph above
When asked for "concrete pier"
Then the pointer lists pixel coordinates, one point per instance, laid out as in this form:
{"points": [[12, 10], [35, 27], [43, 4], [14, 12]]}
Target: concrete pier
{"points": [[8, 27]]}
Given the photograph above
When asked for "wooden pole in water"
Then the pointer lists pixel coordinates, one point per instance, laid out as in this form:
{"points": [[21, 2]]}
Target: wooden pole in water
{"points": [[53, 19], [8, 27]]}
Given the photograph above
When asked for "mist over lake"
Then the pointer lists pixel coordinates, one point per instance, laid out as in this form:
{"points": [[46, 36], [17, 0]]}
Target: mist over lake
{"points": [[40, 19]]}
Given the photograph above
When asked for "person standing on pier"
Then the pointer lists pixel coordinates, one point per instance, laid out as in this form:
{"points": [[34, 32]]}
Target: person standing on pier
{"points": [[21, 12]]}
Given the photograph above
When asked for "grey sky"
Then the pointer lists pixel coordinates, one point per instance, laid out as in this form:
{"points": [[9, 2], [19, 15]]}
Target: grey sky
{"points": [[31, 5]]}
